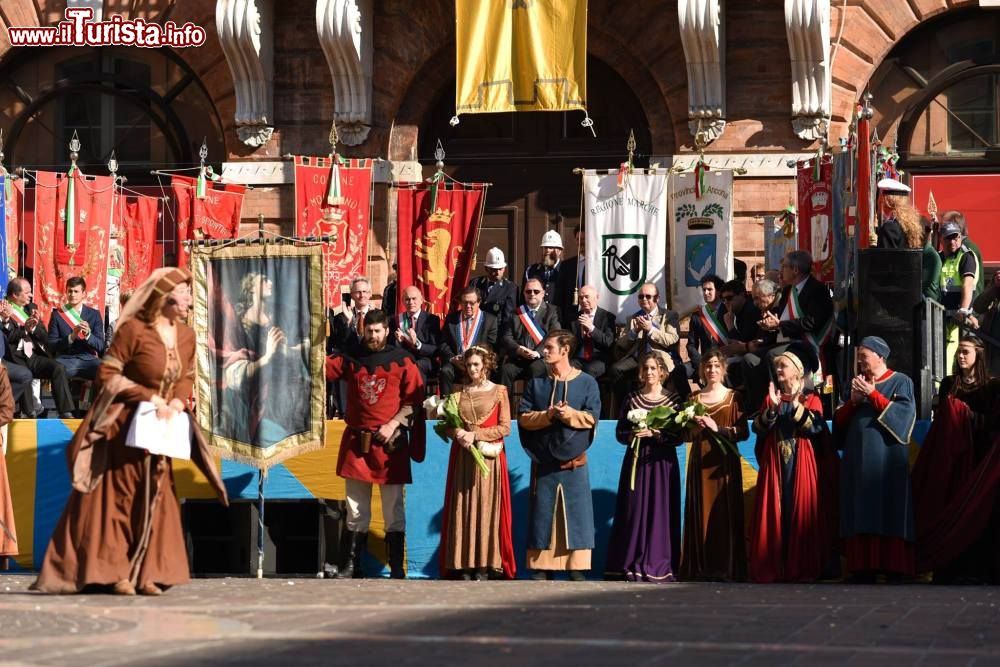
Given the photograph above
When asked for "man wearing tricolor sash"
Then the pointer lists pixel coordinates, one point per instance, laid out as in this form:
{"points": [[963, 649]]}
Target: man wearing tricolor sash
{"points": [[522, 336], [76, 333], [469, 326], [804, 313], [27, 342], [707, 330]]}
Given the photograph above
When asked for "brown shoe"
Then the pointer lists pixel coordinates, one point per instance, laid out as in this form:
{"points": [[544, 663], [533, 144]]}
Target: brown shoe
{"points": [[150, 589], [124, 587]]}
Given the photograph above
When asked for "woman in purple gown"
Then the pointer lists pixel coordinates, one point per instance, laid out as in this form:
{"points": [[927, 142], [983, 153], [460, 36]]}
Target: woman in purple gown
{"points": [[646, 535]]}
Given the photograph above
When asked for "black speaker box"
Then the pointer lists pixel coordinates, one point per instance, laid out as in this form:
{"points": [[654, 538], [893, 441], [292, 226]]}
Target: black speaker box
{"points": [[891, 301], [299, 536]]}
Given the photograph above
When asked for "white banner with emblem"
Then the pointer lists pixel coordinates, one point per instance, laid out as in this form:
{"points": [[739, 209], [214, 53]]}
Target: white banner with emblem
{"points": [[701, 232], [625, 217]]}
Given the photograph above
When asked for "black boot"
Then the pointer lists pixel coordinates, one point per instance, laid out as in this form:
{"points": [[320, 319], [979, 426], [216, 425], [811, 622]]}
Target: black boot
{"points": [[355, 544], [394, 543]]}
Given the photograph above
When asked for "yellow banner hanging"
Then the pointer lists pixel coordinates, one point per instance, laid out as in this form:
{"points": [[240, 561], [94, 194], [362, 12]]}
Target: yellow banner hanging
{"points": [[520, 55]]}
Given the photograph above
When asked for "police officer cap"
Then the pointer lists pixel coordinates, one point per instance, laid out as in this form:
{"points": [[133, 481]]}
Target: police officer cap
{"points": [[950, 229]]}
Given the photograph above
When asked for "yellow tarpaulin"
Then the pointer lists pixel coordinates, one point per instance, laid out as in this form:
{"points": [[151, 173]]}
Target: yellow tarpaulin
{"points": [[520, 55]]}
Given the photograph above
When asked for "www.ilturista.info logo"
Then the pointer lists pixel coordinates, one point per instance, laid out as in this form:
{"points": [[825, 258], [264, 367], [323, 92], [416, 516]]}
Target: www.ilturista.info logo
{"points": [[77, 29]]}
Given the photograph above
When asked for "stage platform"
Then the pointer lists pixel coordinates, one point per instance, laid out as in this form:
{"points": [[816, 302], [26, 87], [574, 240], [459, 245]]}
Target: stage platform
{"points": [[40, 484]]}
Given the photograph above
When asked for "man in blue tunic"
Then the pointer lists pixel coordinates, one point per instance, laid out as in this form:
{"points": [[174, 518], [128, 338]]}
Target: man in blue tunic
{"points": [[876, 503], [557, 420]]}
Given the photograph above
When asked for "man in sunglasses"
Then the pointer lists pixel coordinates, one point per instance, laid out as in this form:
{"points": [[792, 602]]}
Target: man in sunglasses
{"points": [[523, 335], [649, 329]]}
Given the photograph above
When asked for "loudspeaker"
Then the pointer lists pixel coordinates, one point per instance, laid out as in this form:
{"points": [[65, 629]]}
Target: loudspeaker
{"points": [[890, 299], [298, 536]]}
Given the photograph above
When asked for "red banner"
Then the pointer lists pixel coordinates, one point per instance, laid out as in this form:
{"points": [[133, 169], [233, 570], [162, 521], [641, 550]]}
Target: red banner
{"points": [[443, 241], [14, 203], [349, 219], [975, 195], [216, 216], [816, 216], [55, 261], [136, 219]]}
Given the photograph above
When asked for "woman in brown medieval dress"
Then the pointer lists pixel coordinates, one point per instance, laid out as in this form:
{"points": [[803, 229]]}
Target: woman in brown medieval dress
{"points": [[476, 528], [714, 545], [121, 527]]}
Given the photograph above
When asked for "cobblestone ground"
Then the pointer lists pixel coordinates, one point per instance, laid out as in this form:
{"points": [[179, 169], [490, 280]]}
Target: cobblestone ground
{"points": [[305, 622]]}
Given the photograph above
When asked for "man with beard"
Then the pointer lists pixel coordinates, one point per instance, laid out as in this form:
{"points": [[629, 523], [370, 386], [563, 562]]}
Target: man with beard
{"points": [[384, 430], [547, 271], [557, 419]]}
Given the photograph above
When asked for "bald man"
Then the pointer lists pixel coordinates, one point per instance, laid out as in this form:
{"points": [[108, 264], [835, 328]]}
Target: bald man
{"points": [[594, 327], [416, 331]]}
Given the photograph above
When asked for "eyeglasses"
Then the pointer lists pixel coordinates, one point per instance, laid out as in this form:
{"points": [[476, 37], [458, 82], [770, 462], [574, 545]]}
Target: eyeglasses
{"points": [[643, 297], [469, 303], [532, 291]]}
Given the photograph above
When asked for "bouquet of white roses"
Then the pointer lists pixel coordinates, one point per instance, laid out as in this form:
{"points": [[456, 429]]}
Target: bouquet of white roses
{"points": [[445, 411], [656, 419]]}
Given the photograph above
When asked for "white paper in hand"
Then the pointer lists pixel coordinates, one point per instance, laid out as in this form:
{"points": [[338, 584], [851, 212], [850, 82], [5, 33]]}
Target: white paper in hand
{"points": [[170, 438]]}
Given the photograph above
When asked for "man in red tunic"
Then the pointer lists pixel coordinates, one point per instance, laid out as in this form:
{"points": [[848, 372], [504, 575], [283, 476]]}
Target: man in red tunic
{"points": [[384, 431]]}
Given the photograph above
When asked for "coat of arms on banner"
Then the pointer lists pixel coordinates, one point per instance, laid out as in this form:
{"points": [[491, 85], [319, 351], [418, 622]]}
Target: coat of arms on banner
{"points": [[699, 258], [624, 260]]}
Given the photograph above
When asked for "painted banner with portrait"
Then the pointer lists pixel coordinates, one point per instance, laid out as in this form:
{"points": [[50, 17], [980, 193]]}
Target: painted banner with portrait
{"points": [[260, 360], [441, 225], [701, 228], [816, 216], [57, 257], [627, 230], [335, 198]]}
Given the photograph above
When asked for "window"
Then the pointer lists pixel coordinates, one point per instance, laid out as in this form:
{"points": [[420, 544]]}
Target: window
{"points": [[974, 114]]}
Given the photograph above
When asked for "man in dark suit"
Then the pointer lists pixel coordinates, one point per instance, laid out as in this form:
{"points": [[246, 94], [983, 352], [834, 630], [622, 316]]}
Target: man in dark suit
{"points": [[469, 326], [346, 325], [417, 332], [76, 333], [27, 342], [572, 277], [594, 327], [700, 337], [740, 319], [499, 294], [804, 313], [522, 336]]}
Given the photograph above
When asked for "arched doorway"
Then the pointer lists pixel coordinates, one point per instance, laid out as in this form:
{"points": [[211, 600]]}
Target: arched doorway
{"points": [[529, 158], [147, 106]]}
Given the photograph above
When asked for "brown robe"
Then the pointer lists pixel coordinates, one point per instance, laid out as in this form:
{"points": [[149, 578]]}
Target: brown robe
{"points": [[8, 534], [714, 545], [122, 520]]}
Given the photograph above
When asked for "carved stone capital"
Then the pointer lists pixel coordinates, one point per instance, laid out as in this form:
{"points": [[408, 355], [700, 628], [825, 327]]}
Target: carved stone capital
{"points": [[344, 28], [254, 135], [703, 38], [807, 25], [247, 37]]}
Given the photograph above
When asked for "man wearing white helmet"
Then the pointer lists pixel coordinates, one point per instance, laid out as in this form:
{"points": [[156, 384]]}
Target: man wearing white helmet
{"points": [[499, 294], [547, 271]]}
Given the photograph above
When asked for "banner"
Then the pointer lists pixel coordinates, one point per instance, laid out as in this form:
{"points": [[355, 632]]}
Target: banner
{"points": [[520, 56], [137, 218], [215, 216], [443, 241], [260, 359], [701, 231], [844, 207], [55, 260], [781, 236], [816, 216], [627, 236], [342, 208], [4, 234], [13, 207]]}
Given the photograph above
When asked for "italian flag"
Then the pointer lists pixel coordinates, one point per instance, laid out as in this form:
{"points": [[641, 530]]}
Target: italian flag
{"points": [[17, 313], [712, 324]]}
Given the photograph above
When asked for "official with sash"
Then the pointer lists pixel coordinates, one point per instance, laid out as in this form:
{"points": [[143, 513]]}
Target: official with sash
{"points": [[706, 330], [76, 333], [523, 335], [469, 326], [806, 315]]}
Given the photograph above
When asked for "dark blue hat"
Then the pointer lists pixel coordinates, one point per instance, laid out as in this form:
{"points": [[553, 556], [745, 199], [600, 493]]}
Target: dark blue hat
{"points": [[876, 345]]}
